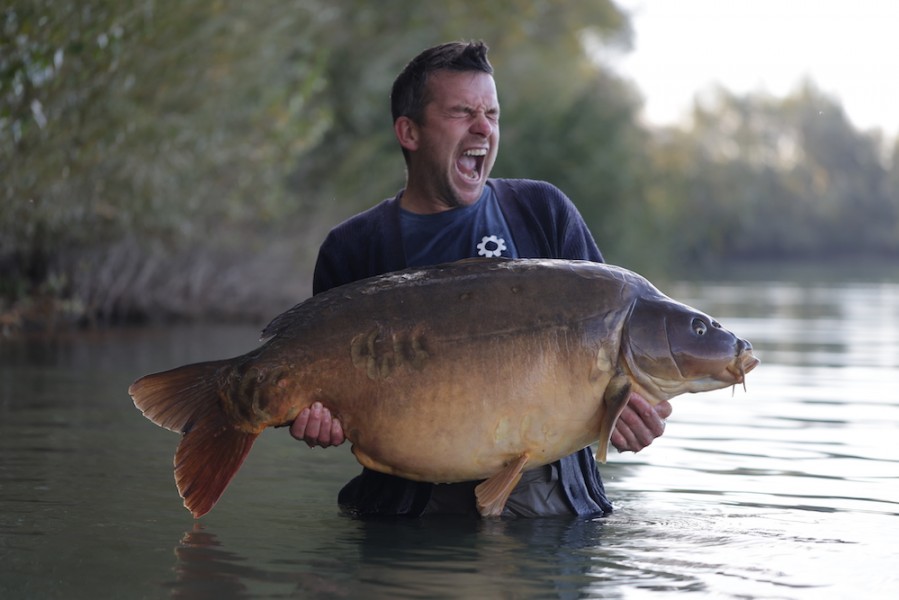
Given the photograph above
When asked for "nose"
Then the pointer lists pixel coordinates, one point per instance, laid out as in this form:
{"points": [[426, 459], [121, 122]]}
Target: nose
{"points": [[743, 346], [481, 125]]}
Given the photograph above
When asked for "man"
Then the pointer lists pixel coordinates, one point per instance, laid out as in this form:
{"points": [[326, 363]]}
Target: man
{"points": [[446, 120]]}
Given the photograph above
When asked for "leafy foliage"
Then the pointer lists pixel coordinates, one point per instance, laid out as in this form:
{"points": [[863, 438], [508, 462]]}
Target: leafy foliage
{"points": [[158, 123], [764, 178]]}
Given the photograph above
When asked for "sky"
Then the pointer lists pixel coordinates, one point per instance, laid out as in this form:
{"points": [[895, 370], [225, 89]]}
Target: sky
{"points": [[849, 48]]}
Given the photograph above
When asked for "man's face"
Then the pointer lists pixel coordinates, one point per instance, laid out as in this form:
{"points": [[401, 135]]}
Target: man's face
{"points": [[458, 137]]}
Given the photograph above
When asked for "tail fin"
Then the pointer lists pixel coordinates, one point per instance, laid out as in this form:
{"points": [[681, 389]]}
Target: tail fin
{"points": [[212, 449]]}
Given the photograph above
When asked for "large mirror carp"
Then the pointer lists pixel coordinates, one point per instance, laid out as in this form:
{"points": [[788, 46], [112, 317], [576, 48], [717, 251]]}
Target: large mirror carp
{"points": [[474, 370]]}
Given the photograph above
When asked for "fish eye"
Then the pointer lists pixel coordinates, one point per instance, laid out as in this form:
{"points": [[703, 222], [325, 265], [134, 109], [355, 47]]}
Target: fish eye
{"points": [[699, 327]]}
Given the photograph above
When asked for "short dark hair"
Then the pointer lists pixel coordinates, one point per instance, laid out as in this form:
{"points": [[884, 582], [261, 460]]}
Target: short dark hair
{"points": [[408, 97]]}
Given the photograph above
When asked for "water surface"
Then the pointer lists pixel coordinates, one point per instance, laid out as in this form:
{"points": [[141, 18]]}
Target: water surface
{"points": [[787, 490]]}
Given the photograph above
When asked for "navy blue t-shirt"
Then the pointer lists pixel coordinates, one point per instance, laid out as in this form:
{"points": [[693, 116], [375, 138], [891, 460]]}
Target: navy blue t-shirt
{"points": [[465, 232]]}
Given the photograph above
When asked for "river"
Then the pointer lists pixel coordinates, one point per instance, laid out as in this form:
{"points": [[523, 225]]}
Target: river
{"points": [[789, 489]]}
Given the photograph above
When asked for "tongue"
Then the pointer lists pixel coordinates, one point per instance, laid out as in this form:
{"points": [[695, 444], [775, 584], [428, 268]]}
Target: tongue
{"points": [[468, 164]]}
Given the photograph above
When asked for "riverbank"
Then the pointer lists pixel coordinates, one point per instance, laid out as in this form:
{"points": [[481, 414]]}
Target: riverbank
{"points": [[256, 288]]}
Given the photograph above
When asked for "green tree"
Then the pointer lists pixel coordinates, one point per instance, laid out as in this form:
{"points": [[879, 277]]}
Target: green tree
{"points": [[135, 132], [757, 177]]}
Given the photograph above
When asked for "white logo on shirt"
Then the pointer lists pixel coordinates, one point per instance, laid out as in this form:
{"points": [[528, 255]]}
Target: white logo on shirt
{"points": [[491, 246]]}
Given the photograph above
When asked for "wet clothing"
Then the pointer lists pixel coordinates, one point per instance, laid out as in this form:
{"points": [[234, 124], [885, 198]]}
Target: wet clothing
{"points": [[535, 220]]}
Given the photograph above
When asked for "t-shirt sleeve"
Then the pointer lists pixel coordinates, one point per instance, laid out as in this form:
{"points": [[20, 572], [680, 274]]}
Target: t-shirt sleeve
{"points": [[553, 220], [327, 273], [577, 240]]}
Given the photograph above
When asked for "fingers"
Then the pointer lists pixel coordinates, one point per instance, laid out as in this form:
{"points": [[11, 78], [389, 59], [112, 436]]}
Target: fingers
{"points": [[316, 427], [663, 409], [298, 427], [639, 424], [629, 435], [337, 436]]}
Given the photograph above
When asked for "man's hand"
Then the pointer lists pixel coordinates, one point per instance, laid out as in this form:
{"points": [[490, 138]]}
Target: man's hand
{"points": [[316, 427], [639, 424]]}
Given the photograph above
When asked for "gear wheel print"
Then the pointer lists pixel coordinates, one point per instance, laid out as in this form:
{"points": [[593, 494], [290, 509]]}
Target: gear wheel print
{"points": [[491, 246]]}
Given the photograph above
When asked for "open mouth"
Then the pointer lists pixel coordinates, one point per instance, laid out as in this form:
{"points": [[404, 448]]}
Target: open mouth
{"points": [[471, 163]]}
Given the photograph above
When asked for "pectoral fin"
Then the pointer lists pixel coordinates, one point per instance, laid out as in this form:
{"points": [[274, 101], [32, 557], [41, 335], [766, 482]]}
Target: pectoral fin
{"points": [[493, 493], [614, 400]]}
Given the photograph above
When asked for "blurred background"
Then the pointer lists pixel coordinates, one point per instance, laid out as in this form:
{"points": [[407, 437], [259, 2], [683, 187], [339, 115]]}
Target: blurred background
{"points": [[164, 159]]}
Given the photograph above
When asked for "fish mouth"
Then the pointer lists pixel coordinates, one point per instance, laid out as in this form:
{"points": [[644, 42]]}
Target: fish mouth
{"points": [[743, 363], [471, 163]]}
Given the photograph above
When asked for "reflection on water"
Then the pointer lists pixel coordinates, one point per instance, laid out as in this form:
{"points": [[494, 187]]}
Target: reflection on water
{"points": [[421, 558], [787, 490]]}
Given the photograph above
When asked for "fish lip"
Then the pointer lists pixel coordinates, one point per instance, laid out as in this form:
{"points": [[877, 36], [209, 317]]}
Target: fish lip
{"points": [[748, 362], [742, 364]]}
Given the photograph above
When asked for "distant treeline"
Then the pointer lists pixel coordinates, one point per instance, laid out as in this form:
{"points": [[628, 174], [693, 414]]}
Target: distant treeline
{"points": [[167, 159]]}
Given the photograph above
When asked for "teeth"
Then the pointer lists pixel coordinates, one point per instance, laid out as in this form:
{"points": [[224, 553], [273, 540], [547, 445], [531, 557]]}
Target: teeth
{"points": [[476, 152]]}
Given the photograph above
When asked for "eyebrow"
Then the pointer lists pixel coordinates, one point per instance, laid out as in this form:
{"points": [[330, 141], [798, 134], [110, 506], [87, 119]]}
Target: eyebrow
{"points": [[467, 108]]}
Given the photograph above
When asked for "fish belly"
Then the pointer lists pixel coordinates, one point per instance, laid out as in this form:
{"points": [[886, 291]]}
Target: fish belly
{"points": [[471, 406]]}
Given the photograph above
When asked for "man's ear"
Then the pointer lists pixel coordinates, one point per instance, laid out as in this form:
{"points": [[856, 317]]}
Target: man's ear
{"points": [[407, 133]]}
